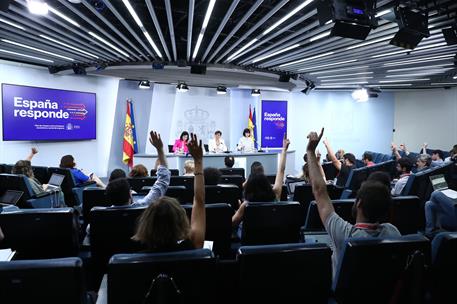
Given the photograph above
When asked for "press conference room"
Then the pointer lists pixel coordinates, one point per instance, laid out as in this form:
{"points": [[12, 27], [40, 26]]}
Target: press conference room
{"points": [[217, 151]]}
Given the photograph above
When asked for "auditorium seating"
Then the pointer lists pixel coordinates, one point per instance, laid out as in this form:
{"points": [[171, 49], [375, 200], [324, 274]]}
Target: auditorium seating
{"points": [[174, 172], [379, 157], [372, 270], [41, 174], [232, 180], [179, 192], [41, 233], [271, 178], [92, 197], [358, 176], [272, 223], [72, 191], [444, 267], [304, 194], [430, 152], [186, 181], [329, 170], [228, 194], [218, 227], [192, 272], [43, 281], [342, 207], [7, 168], [233, 171], [137, 183], [28, 199], [285, 273]]}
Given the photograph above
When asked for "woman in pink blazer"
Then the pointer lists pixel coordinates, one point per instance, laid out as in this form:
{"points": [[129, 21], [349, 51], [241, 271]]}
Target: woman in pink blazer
{"points": [[180, 145]]}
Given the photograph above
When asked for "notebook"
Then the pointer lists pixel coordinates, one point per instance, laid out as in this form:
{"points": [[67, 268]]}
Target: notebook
{"points": [[55, 181], [11, 197], [439, 184]]}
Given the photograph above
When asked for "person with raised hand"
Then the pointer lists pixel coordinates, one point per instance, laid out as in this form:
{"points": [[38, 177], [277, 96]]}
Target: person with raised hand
{"points": [[370, 207], [163, 174], [164, 226]]}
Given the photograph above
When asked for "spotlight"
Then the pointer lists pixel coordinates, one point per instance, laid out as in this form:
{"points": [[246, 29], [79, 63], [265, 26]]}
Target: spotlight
{"points": [[360, 95], [37, 7], [79, 69], [413, 27], [309, 87], [221, 90], [144, 84], [255, 92], [352, 18], [182, 87]]}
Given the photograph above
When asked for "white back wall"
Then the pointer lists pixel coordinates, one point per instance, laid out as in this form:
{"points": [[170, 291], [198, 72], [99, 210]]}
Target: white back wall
{"points": [[426, 116], [91, 155]]}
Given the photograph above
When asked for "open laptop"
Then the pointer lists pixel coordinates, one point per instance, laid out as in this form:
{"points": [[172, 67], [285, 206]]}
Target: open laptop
{"points": [[55, 181], [11, 197], [439, 184]]}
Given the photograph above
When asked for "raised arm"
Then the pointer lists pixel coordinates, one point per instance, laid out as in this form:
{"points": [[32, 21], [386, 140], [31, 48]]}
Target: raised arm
{"points": [[424, 148], [277, 187], [32, 154], [198, 218], [324, 204], [156, 141], [395, 151], [331, 154]]}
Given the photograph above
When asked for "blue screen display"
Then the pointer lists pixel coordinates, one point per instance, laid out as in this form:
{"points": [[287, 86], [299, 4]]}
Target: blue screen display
{"points": [[358, 11]]}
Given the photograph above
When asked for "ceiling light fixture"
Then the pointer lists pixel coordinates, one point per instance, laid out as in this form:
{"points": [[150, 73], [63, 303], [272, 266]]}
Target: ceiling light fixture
{"points": [[235, 55], [37, 7], [344, 75], [209, 11], [404, 80], [144, 84], [430, 67], [26, 56], [141, 26], [108, 44], [283, 19], [344, 83], [426, 74], [68, 19], [68, 46], [320, 36], [12, 24], [369, 42], [37, 49], [382, 13], [332, 64], [276, 53], [182, 87], [346, 79], [360, 95], [444, 83], [307, 59], [255, 92], [221, 90], [414, 61]]}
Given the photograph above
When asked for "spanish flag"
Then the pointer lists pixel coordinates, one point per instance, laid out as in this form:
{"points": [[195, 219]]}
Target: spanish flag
{"points": [[252, 127], [128, 147]]}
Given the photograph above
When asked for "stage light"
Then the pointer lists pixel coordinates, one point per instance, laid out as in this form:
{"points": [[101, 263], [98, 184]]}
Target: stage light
{"points": [[255, 92], [413, 27], [360, 95], [37, 7], [182, 87], [221, 90], [309, 87], [144, 84]]}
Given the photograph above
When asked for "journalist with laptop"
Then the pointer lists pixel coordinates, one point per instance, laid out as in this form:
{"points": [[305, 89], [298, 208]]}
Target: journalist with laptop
{"points": [[441, 209]]}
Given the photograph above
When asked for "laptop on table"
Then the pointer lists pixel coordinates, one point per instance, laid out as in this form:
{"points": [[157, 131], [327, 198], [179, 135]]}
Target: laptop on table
{"points": [[11, 197], [55, 181], [439, 184]]}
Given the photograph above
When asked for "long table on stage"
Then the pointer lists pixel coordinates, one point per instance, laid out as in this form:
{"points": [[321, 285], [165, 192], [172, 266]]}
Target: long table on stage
{"points": [[269, 160]]}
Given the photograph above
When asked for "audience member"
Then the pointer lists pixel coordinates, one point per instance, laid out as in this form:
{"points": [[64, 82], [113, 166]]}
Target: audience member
{"points": [[118, 192], [258, 189], [164, 225], [68, 162], [452, 154], [367, 159], [437, 158], [229, 161], [371, 206], [180, 145], [423, 162], [163, 174], [246, 143], [115, 174], [212, 176], [217, 144], [189, 168], [379, 176], [257, 168], [440, 213], [139, 171], [404, 166], [339, 155], [344, 167]]}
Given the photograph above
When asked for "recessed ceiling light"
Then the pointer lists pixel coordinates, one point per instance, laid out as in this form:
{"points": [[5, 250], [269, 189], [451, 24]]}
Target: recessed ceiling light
{"points": [[108, 44], [276, 53], [235, 55], [317, 37], [68, 46], [37, 49], [65, 17], [293, 12], [12, 24], [369, 42], [26, 56], [209, 11]]}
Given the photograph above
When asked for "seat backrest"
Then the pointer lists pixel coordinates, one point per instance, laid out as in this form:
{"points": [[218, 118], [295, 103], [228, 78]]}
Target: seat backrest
{"points": [[16, 182], [41, 233], [192, 272], [218, 227], [227, 194], [271, 178], [285, 272], [405, 214], [356, 178], [272, 223], [444, 267], [7, 168], [42, 281], [137, 183], [41, 174], [232, 180], [384, 259], [170, 148], [93, 197], [329, 170], [174, 172], [67, 185], [186, 181], [233, 171], [342, 207], [111, 230]]}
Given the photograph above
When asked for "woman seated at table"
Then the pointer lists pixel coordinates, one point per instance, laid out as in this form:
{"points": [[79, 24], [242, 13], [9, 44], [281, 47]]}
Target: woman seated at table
{"points": [[180, 145], [246, 144]]}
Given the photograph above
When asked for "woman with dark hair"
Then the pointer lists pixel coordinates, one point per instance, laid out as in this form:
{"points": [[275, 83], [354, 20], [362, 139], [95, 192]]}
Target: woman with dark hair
{"points": [[246, 143], [180, 145], [164, 226], [258, 188], [68, 162], [116, 174], [139, 171]]}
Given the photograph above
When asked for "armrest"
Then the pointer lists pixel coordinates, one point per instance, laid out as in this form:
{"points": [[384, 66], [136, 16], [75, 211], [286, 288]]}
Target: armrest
{"points": [[43, 201], [83, 185]]}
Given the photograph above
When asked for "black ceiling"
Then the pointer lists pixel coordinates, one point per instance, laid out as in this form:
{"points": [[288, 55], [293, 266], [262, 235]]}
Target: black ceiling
{"points": [[104, 33]]}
